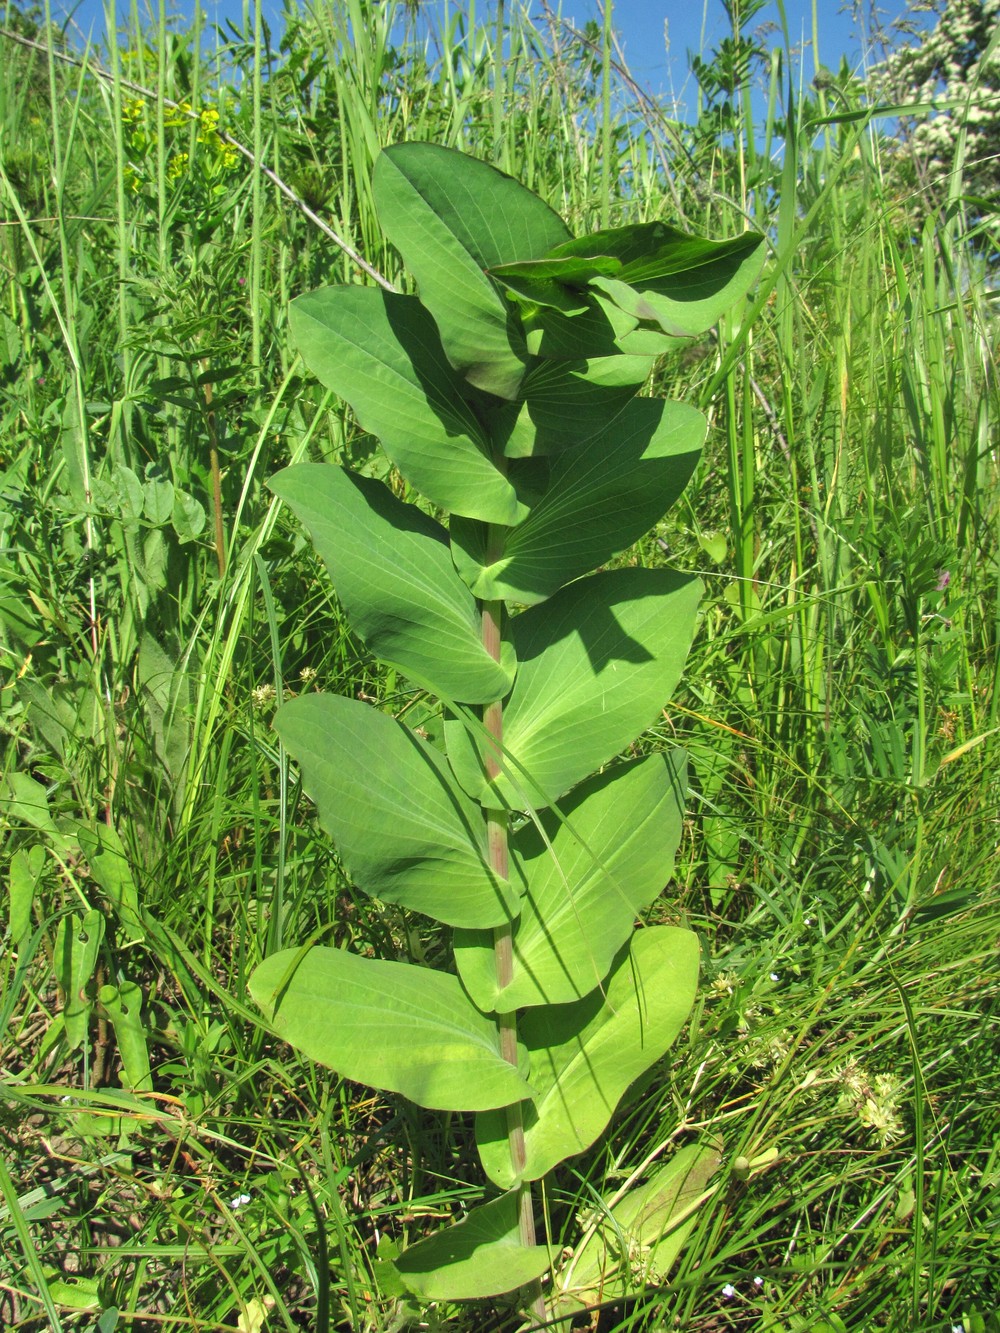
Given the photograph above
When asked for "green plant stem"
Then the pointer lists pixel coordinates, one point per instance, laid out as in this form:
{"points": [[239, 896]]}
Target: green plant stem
{"points": [[503, 937], [496, 836], [606, 114], [216, 471]]}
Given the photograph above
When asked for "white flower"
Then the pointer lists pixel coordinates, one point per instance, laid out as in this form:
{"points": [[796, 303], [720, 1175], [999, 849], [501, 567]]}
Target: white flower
{"points": [[775, 977], [263, 697], [758, 1282], [239, 1201], [729, 1291]]}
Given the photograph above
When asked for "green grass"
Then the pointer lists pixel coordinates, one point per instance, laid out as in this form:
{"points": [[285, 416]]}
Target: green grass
{"points": [[840, 706]]}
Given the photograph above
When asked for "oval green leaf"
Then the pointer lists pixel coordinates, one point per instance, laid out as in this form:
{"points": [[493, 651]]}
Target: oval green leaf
{"points": [[587, 879], [382, 354], [395, 1026], [638, 1240], [585, 1056], [394, 575], [404, 829], [600, 499], [687, 283], [596, 663], [452, 217], [478, 1257], [566, 403]]}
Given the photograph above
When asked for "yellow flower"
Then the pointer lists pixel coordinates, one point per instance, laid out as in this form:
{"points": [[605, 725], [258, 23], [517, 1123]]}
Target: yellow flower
{"points": [[177, 166], [176, 116]]}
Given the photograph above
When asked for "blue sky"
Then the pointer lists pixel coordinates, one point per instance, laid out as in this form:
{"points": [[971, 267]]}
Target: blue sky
{"points": [[656, 34]]}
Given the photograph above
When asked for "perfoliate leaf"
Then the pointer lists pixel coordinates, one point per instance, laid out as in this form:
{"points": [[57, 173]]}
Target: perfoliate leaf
{"points": [[687, 283], [559, 283], [596, 663], [451, 217], [600, 499], [584, 1056], [404, 829], [570, 270], [478, 1257], [587, 880], [395, 1026], [574, 334], [393, 573], [566, 403], [382, 353], [637, 1241]]}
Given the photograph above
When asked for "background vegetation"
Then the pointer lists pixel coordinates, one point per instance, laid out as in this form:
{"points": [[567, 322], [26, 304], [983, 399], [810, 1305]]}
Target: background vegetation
{"points": [[164, 1163]]}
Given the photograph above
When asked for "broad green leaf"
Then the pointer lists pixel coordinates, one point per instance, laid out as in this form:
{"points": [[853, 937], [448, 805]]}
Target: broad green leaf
{"points": [[22, 798], [587, 880], [26, 866], [123, 1004], [188, 517], [109, 866], [452, 217], [395, 1026], [596, 664], [382, 353], [650, 252], [584, 1056], [478, 1257], [566, 403], [52, 710], [405, 831], [688, 283], [638, 1239], [392, 569], [532, 295], [75, 1293], [616, 246], [574, 334], [129, 494], [74, 962], [559, 283], [600, 499], [165, 684], [158, 500], [570, 270]]}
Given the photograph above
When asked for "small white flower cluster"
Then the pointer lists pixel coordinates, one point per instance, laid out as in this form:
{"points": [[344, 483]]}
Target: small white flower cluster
{"points": [[875, 1101], [239, 1201], [951, 67], [723, 984], [263, 697]]}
